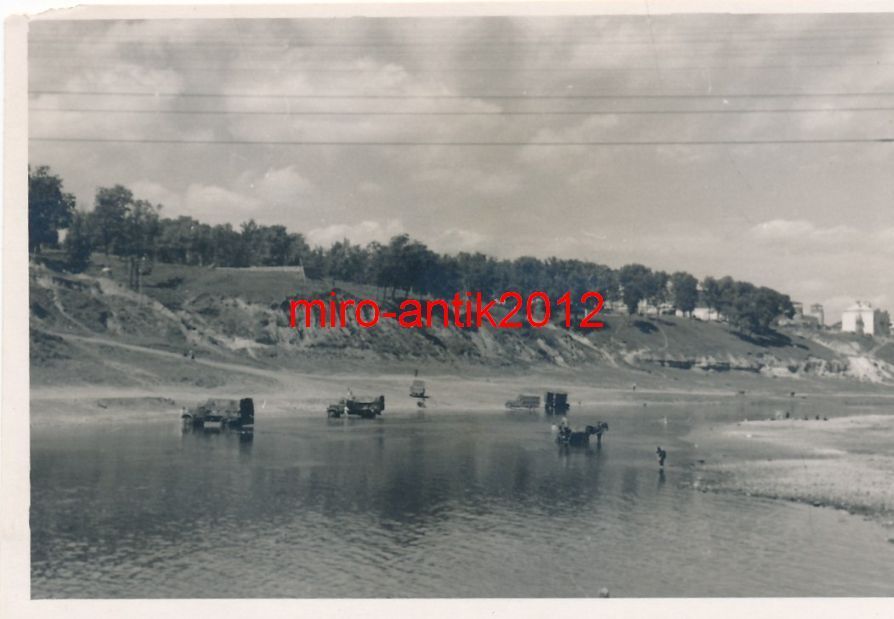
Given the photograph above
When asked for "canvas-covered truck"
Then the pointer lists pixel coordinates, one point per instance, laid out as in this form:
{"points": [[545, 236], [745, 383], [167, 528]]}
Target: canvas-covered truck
{"points": [[556, 403], [524, 402], [367, 409]]}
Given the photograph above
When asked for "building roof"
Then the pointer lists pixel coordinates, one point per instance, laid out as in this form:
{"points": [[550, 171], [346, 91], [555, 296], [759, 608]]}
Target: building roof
{"points": [[859, 306]]}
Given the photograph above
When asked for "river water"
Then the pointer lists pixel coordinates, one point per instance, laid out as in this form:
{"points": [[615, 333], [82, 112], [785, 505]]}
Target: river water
{"points": [[420, 504]]}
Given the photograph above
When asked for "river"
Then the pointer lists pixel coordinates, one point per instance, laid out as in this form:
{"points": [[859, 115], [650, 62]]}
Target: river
{"points": [[420, 504]]}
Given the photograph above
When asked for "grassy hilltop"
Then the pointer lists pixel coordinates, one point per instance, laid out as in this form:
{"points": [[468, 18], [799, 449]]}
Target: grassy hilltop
{"points": [[92, 329]]}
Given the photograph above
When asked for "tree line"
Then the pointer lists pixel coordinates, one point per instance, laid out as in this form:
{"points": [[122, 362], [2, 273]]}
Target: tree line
{"points": [[120, 224]]}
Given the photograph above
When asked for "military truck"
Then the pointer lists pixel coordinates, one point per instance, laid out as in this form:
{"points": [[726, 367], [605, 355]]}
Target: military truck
{"points": [[366, 409], [220, 414], [524, 402]]}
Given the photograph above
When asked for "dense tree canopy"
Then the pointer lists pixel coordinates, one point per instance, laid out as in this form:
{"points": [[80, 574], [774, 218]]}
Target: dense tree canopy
{"points": [[684, 288], [637, 283], [124, 225]]}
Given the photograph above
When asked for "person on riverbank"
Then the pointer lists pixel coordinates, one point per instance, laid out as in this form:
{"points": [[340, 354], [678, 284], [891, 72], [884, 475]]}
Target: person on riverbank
{"points": [[662, 455]]}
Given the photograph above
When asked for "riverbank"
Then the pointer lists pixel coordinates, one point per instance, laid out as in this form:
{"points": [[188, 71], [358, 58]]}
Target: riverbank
{"points": [[289, 392], [844, 462]]}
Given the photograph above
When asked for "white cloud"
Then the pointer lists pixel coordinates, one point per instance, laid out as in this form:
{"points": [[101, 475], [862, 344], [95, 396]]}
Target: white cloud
{"points": [[782, 229], [359, 234], [885, 239], [488, 183], [276, 186], [457, 239], [215, 204], [207, 203], [803, 231], [157, 193]]}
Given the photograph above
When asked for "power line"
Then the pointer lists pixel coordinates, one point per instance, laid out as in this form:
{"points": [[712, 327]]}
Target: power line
{"points": [[464, 113], [466, 96], [417, 39], [599, 143], [592, 55], [455, 69], [430, 26]]}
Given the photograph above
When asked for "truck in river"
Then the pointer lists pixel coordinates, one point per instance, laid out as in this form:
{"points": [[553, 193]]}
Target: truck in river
{"points": [[417, 391], [367, 409], [556, 403], [221, 414], [524, 402]]}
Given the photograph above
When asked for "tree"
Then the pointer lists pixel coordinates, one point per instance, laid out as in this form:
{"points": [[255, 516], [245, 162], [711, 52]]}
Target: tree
{"points": [[656, 291], [394, 268], [346, 262], [711, 293], [684, 288], [49, 208], [755, 309], [175, 239], [528, 275], [745, 306], [275, 243], [225, 242], [140, 229], [298, 248], [636, 282], [247, 249], [77, 244], [107, 218]]}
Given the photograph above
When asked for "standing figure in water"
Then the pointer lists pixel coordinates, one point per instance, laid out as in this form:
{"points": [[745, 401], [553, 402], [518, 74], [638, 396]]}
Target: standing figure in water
{"points": [[662, 454]]}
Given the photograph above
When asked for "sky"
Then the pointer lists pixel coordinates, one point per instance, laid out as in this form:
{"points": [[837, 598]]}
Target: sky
{"points": [[746, 145]]}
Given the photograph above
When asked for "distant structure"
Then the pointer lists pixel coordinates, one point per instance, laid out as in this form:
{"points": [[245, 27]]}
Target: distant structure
{"points": [[811, 319], [297, 270], [706, 313], [649, 309], [816, 310], [862, 319]]}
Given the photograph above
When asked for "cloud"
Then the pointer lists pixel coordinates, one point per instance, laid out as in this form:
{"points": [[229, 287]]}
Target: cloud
{"points": [[276, 186], [486, 183], [218, 204], [803, 232], [359, 234], [171, 201], [207, 203], [457, 239], [885, 239]]}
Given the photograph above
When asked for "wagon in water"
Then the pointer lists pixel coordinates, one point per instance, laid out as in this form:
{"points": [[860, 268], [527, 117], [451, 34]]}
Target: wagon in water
{"points": [[367, 409], [221, 414], [524, 402], [580, 438]]}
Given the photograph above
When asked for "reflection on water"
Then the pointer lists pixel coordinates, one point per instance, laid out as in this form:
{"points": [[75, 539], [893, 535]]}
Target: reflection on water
{"points": [[419, 505]]}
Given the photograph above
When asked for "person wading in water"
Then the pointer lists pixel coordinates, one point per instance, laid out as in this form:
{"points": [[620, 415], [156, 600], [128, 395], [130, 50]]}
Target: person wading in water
{"points": [[662, 454]]}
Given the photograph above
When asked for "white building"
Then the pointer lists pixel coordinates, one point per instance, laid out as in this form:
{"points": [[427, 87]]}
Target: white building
{"points": [[863, 319], [705, 313]]}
